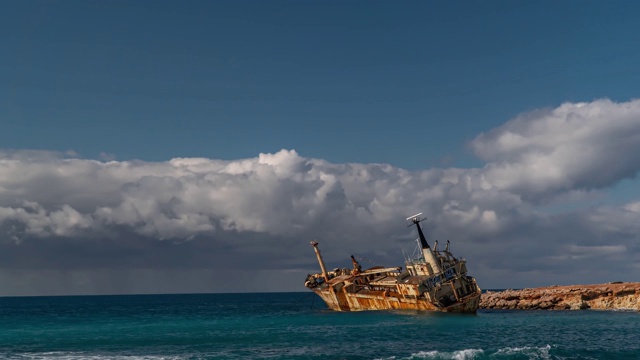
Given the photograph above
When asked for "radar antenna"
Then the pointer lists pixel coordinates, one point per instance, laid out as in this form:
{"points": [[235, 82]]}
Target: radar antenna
{"points": [[414, 219]]}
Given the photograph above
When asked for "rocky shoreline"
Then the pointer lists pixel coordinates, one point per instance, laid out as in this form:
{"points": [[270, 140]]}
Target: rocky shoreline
{"points": [[611, 296]]}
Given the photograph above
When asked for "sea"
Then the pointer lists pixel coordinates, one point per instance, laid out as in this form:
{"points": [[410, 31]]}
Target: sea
{"points": [[297, 326]]}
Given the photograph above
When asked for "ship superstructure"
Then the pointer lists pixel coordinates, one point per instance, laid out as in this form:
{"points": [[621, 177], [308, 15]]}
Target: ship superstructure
{"points": [[433, 280]]}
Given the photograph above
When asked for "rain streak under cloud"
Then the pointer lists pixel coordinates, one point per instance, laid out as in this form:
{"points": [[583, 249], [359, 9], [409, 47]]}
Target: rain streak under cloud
{"points": [[197, 224]]}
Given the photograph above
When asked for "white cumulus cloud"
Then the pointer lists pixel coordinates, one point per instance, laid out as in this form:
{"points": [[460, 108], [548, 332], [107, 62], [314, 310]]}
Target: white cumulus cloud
{"points": [[574, 146], [259, 213]]}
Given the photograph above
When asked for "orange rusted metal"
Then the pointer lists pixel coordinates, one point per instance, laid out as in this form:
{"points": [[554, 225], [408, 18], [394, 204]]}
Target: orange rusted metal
{"points": [[419, 287]]}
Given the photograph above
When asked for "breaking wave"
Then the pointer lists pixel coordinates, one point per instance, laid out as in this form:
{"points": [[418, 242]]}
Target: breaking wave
{"points": [[63, 355], [457, 355], [526, 352]]}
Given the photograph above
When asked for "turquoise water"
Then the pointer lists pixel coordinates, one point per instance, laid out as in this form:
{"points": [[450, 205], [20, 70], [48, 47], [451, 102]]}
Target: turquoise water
{"points": [[297, 326]]}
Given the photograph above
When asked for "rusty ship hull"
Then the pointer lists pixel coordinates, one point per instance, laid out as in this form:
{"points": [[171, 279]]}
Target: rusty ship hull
{"points": [[379, 300], [432, 281]]}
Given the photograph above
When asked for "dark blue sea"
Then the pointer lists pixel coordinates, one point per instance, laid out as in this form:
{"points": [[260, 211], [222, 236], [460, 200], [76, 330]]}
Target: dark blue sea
{"points": [[297, 326]]}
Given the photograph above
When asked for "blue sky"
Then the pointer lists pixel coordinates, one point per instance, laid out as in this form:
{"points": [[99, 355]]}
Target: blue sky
{"points": [[146, 145], [407, 84]]}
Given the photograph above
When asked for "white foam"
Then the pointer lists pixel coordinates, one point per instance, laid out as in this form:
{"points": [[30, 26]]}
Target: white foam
{"points": [[466, 354], [532, 353], [61, 355]]}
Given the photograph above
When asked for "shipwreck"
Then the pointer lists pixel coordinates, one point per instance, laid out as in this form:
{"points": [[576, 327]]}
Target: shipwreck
{"points": [[432, 280]]}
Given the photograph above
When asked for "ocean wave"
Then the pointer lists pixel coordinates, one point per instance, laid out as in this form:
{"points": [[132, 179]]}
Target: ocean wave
{"points": [[466, 354], [531, 352], [62, 355], [547, 352], [526, 352]]}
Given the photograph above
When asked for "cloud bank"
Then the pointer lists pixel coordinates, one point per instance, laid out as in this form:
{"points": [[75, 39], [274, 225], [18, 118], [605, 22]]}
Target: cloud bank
{"points": [[255, 217], [579, 146]]}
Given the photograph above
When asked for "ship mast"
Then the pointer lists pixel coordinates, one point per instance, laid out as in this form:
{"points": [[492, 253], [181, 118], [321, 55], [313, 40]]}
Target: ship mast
{"points": [[429, 258], [320, 261]]}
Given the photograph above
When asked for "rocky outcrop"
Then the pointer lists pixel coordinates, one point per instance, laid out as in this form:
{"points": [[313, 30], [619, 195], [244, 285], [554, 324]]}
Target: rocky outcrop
{"points": [[612, 296]]}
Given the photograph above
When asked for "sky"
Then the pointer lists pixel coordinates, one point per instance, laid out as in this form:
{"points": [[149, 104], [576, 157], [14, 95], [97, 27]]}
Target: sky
{"points": [[165, 147]]}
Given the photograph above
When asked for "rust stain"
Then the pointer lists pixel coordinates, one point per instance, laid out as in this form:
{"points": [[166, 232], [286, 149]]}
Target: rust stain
{"points": [[433, 281]]}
